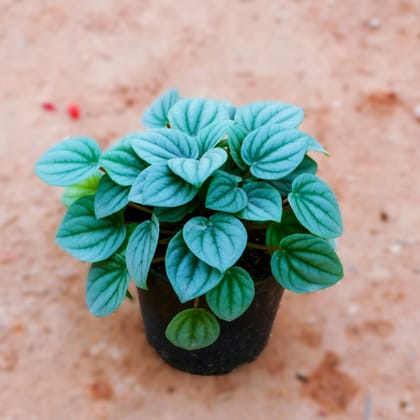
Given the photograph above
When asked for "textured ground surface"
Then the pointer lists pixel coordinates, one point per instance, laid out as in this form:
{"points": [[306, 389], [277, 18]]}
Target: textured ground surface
{"points": [[351, 352]]}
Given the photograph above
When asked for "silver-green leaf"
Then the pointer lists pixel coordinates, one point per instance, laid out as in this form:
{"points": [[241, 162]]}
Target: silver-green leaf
{"points": [[110, 197], [258, 114], [315, 206], [224, 194], [273, 152], [121, 163], [189, 276], [264, 203], [210, 136], [305, 263], [156, 115], [87, 238], [140, 250], [192, 115], [218, 241], [161, 144], [107, 285], [158, 186], [233, 295], [236, 135], [69, 162], [196, 172], [193, 329]]}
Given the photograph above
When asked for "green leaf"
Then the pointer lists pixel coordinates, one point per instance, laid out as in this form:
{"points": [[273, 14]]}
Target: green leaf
{"points": [[87, 238], [306, 263], [107, 285], [140, 251], [69, 162], [224, 194], [218, 241], [233, 295], [174, 214], [264, 203], [258, 114], [284, 185], [110, 197], [158, 186], [236, 135], [161, 144], [193, 329], [316, 206], [121, 162], [288, 226], [86, 187], [210, 136], [189, 276], [191, 115], [196, 172], [273, 152], [156, 115], [313, 144]]}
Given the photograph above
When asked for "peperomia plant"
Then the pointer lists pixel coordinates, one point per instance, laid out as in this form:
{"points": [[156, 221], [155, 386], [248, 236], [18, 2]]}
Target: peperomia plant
{"points": [[188, 197]]}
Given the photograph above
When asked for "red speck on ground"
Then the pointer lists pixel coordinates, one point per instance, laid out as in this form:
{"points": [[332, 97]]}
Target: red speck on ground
{"points": [[49, 106], [74, 111]]}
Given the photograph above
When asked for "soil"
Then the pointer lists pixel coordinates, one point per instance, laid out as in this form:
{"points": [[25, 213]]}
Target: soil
{"points": [[91, 68]]}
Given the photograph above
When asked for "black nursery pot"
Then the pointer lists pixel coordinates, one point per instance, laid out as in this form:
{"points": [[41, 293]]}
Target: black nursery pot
{"points": [[240, 341]]}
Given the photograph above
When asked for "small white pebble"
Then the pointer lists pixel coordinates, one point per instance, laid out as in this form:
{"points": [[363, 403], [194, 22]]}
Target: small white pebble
{"points": [[353, 309], [374, 23], [395, 248], [417, 112]]}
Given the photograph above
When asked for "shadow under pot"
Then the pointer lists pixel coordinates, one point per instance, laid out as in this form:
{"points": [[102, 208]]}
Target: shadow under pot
{"points": [[240, 341]]}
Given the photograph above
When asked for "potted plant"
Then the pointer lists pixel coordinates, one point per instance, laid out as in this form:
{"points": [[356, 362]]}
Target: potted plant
{"points": [[213, 212]]}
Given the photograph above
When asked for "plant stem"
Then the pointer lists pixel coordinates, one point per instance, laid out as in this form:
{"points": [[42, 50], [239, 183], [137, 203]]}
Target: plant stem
{"points": [[196, 301], [164, 241], [139, 207], [262, 247], [158, 260]]}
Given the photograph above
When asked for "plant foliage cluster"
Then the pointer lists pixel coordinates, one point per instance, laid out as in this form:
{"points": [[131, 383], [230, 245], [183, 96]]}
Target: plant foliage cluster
{"points": [[207, 179]]}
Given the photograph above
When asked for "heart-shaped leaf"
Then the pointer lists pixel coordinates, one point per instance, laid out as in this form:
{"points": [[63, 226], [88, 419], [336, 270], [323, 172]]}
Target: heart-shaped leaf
{"points": [[106, 285], [191, 115], [193, 329], [161, 144], [195, 172], [158, 186], [87, 238], [233, 295], [273, 152], [140, 250], [264, 203], [210, 136], [110, 197], [189, 276], [69, 162], [86, 187], [121, 162], [306, 263], [224, 194], [258, 114], [284, 185], [315, 206], [236, 135], [156, 115], [218, 241]]}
